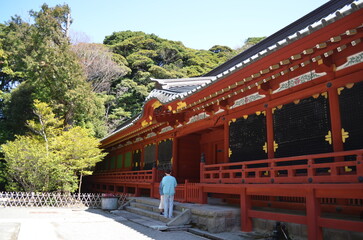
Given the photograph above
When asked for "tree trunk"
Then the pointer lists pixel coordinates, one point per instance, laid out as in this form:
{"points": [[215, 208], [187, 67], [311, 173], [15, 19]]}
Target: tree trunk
{"points": [[80, 184]]}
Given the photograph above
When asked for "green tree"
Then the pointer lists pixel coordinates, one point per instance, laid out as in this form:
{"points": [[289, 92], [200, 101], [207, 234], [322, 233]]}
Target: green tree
{"points": [[249, 43], [42, 56], [50, 158], [27, 165], [149, 56], [100, 67], [78, 151]]}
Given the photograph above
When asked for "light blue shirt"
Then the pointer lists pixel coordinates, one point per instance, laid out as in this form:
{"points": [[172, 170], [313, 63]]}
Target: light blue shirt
{"points": [[169, 184]]}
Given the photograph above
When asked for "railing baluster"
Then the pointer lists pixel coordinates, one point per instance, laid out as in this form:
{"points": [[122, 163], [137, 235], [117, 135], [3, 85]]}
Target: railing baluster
{"points": [[305, 168]]}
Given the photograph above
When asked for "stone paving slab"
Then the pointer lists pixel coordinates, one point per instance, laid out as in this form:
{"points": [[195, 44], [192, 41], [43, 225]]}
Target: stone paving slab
{"points": [[154, 224], [76, 224]]}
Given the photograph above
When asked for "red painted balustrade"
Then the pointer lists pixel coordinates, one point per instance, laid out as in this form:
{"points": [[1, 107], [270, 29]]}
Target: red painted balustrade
{"points": [[336, 167], [143, 176]]}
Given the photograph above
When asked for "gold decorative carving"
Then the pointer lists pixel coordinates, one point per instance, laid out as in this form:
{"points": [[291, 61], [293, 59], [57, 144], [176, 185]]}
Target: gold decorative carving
{"points": [[156, 104], [328, 137], [181, 105], [276, 146], [264, 147], [345, 135]]}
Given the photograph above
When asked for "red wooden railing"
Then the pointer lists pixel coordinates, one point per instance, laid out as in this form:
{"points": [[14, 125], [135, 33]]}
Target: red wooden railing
{"points": [[299, 169], [342, 189], [145, 176], [188, 192]]}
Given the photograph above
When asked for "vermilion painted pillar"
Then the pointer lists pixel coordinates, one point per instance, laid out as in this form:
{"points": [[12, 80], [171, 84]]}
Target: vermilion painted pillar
{"points": [[201, 177], [313, 212], [175, 158], [336, 125], [270, 133], [153, 182], [246, 221], [203, 198], [226, 142]]}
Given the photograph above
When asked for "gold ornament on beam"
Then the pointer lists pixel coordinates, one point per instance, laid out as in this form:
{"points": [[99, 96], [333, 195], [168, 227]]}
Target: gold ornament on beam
{"points": [[328, 137], [339, 90], [345, 135], [156, 104], [264, 147], [276, 146], [349, 85], [144, 123], [347, 169], [325, 94], [232, 120]]}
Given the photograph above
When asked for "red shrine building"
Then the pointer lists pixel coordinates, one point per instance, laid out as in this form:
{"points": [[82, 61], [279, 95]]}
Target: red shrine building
{"points": [[279, 127]]}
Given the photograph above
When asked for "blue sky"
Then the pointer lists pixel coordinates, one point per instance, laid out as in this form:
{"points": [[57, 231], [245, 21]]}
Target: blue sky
{"points": [[199, 24]]}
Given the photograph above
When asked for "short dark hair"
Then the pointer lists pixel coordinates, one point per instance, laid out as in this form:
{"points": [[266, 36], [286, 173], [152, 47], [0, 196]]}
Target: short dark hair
{"points": [[168, 171]]}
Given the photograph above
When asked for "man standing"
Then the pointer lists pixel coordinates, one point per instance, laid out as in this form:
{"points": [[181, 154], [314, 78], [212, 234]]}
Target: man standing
{"points": [[168, 183]]}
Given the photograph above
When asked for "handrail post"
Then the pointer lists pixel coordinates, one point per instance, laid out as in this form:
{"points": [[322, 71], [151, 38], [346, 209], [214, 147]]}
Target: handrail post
{"points": [[272, 171], [153, 182], [202, 172], [310, 169], [185, 190], [153, 178], [359, 165], [202, 163]]}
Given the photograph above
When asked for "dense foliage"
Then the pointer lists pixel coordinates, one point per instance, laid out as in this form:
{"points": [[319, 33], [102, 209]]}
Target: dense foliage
{"points": [[91, 88], [149, 56], [49, 158]]}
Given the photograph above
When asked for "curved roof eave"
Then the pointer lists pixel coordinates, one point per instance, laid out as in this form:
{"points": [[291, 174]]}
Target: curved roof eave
{"points": [[315, 20]]}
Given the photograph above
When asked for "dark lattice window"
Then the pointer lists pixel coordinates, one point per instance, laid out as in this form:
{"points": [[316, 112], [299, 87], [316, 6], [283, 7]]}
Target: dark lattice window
{"points": [[136, 160], [112, 162], [247, 138], [128, 159], [300, 128], [106, 163], [351, 113], [165, 153], [149, 156], [119, 161]]}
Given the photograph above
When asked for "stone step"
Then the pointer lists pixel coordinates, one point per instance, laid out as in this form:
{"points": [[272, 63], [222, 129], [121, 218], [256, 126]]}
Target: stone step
{"points": [[211, 218], [148, 201], [151, 208], [144, 206], [147, 213], [156, 202]]}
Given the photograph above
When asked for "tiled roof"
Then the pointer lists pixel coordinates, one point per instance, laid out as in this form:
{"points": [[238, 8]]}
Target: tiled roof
{"points": [[325, 14], [328, 14], [172, 89], [168, 89]]}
